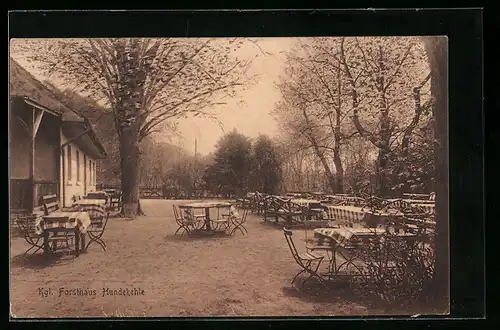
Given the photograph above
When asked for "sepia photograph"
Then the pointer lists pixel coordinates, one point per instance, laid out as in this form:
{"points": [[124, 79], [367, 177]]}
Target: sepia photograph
{"points": [[228, 177]]}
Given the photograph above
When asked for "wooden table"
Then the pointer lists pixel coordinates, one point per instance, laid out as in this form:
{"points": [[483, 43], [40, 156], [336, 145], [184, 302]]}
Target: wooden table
{"points": [[98, 195], [428, 207], [338, 238], [99, 205], [91, 201], [305, 202], [345, 213], [206, 206], [56, 222]]}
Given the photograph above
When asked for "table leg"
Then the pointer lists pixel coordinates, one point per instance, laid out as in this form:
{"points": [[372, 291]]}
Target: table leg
{"points": [[207, 219], [46, 247], [334, 260], [83, 242], [77, 241]]}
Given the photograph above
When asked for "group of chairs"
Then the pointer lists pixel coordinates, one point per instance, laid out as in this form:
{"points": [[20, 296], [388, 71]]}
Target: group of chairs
{"points": [[194, 222], [416, 220], [309, 261], [355, 257], [283, 207], [65, 239]]}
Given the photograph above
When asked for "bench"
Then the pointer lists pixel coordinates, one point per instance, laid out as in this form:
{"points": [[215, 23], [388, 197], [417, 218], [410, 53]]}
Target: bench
{"points": [[51, 204], [115, 200]]}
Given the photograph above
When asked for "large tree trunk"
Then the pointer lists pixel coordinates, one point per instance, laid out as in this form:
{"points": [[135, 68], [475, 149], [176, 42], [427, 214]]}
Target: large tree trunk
{"points": [[383, 157], [129, 152], [339, 171], [437, 50], [381, 174]]}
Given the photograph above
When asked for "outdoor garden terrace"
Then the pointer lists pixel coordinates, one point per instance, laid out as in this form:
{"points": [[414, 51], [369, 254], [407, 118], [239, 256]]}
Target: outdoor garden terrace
{"points": [[171, 272]]}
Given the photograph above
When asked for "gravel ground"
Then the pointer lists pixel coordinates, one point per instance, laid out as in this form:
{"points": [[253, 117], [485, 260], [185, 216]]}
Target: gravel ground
{"points": [[175, 276]]}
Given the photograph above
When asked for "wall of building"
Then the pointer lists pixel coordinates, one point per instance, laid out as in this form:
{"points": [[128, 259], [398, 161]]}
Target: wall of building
{"points": [[19, 140], [75, 186], [47, 149]]}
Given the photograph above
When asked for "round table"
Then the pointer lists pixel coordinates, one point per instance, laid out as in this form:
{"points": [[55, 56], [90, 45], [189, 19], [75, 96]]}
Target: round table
{"points": [[206, 206]]}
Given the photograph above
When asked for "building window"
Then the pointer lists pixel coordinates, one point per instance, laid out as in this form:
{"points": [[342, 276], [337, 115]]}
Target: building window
{"points": [[95, 175], [69, 164], [77, 166], [90, 172]]}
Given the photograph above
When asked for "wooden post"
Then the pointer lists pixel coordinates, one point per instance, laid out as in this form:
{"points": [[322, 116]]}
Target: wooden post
{"points": [[36, 119], [77, 240], [85, 174], [46, 248], [31, 160]]}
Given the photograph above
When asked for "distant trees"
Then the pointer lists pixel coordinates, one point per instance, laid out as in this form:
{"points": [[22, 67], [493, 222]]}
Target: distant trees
{"points": [[240, 166], [300, 168], [265, 171], [229, 174]]}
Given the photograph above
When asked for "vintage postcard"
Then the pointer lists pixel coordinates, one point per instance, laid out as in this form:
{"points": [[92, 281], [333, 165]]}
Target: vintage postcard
{"points": [[234, 177]]}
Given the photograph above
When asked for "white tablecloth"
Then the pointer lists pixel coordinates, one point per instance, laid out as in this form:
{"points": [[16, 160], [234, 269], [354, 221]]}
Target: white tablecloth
{"points": [[65, 220], [345, 213]]}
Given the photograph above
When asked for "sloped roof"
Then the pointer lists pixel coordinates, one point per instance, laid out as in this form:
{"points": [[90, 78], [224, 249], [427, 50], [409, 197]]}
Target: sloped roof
{"points": [[23, 84]]}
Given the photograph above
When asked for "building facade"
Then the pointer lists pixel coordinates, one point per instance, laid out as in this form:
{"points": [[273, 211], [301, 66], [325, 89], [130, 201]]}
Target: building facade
{"points": [[52, 148]]}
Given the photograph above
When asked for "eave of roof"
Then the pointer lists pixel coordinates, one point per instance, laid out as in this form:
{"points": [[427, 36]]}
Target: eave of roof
{"points": [[25, 86], [89, 141]]}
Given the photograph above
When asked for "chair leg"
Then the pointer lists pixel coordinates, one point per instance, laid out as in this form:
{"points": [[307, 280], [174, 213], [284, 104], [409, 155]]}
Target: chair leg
{"points": [[97, 239], [302, 271], [313, 273], [31, 248], [101, 243], [38, 249], [241, 228]]}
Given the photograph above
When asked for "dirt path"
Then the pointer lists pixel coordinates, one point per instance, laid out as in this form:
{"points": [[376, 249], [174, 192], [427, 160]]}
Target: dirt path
{"points": [[181, 276]]}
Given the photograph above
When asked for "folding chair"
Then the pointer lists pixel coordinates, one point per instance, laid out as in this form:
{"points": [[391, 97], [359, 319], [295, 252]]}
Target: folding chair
{"points": [[223, 220], [305, 260], [27, 227], [238, 222], [98, 222], [60, 235], [187, 225], [312, 244]]}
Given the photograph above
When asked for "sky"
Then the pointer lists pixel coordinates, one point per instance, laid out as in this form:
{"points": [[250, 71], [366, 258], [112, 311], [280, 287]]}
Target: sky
{"points": [[250, 117]]}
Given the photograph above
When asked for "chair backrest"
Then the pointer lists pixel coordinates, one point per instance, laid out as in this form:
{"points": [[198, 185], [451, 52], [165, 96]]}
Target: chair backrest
{"points": [[99, 195], [243, 216], [27, 225], [288, 236], [177, 214], [98, 216], [50, 203], [96, 212], [416, 196]]}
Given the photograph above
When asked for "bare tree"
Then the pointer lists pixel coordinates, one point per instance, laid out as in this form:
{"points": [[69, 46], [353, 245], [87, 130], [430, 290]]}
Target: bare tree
{"points": [[145, 82], [386, 76], [317, 87]]}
